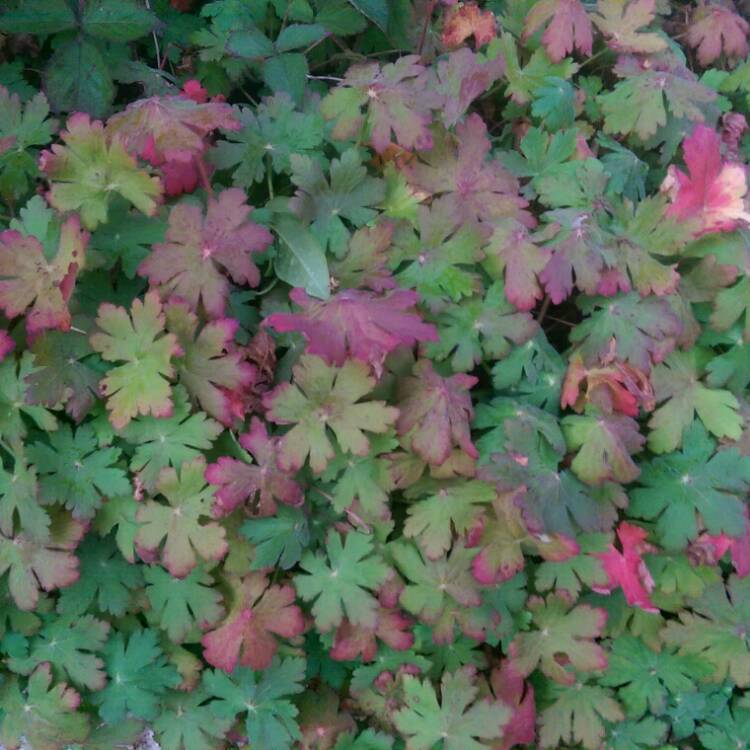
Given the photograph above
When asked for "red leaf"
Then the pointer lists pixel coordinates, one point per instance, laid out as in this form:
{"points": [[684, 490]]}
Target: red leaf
{"points": [[192, 89], [733, 127], [579, 258], [627, 569], [7, 345], [34, 285], [464, 75], [200, 250], [354, 641], [170, 128], [356, 323], [435, 413], [240, 482], [569, 27], [508, 685], [249, 633], [712, 193], [510, 249], [45, 563], [617, 386], [708, 549], [715, 28], [210, 367], [476, 189], [465, 20], [504, 537], [366, 262]]}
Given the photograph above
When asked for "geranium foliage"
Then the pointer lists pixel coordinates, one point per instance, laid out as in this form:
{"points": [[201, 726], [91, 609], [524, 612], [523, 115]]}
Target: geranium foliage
{"points": [[374, 374]]}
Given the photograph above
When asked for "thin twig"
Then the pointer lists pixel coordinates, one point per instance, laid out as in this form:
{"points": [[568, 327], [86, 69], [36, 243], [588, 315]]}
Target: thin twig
{"points": [[324, 78], [267, 289], [159, 62], [426, 25], [249, 96], [315, 44], [543, 311], [269, 176], [339, 44], [204, 176]]}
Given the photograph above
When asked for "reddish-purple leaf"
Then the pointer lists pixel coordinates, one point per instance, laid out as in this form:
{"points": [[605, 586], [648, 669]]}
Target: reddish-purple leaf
{"points": [[262, 483], [569, 27], [712, 193], [352, 642], [210, 367], [46, 564], [476, 188], [626, 569], [435, 413], [259, 615], [201, 251], [465, 20], [579, 256], [715, 29], [462, 77], [397, 98], [511, 250], [508, 685], [30, 282], [356, 323], [169, 128]]}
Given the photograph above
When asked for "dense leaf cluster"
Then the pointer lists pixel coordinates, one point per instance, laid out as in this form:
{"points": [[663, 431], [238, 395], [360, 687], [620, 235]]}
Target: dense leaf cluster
{"points": [[374, 374]]}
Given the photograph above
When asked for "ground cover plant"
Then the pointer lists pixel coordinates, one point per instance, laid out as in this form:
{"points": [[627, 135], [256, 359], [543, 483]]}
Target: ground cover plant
{"points": [[374, 374]]}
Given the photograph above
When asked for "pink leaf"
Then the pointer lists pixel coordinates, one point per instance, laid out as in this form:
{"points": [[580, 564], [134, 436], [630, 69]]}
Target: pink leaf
{"points": [[200, 250], [712, 193], [626, 569], [210, 367], [466, 20], [38, 286], [709, 549], [714, 29], [510, 249], [508, 685], [435, 413], [356, 323], [240, 482], [7, 345], [351, 642], [476, 188], [569, 27], [192, 89], [170, 128], [259, 615]]}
